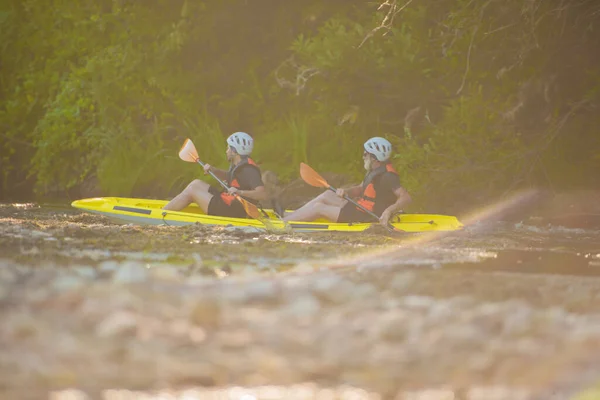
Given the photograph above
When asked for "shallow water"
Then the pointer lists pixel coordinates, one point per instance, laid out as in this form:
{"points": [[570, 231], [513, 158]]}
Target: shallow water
{"points": [[499, 310]]}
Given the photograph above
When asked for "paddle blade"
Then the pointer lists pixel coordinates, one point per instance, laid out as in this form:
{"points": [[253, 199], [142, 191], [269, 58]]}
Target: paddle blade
{"points": [[250, 208], [311, 176], [188, 152]]}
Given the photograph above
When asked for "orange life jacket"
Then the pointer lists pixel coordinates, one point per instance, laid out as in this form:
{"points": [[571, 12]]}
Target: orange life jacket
{"points": [[370, 198], [232, 180]]}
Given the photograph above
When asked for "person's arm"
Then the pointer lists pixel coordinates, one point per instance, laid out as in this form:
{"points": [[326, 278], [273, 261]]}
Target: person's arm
{"points": [[253, 180], [352, 192], [259, 193], [219, 173], [402, 199]]}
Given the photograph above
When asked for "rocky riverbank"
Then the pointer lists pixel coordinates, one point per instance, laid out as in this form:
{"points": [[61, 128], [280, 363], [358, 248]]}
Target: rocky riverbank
{"points": [[95, 306]]}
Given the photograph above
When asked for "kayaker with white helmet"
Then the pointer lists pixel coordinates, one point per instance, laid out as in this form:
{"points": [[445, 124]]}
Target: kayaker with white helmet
{"points": [[243, 178], [380, 192]]}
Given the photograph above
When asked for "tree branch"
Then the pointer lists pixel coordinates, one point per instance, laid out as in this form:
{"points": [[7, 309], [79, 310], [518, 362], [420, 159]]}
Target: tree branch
{"points": [[468, 61], [388, 20]]}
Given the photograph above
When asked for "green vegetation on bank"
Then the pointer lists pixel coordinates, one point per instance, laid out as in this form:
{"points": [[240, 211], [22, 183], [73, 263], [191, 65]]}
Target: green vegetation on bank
{"points": [[479, 97]]}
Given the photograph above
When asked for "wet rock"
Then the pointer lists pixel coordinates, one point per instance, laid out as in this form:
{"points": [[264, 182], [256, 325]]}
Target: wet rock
{"points": [[67, 301], [262, 291], [517, 322], [86, 272], [4, 291], [258, 318], [71, 394], [67, 282], [165, 273], [365, 292], [196, 334], [60, 377], [109, 266], [441, 311], [305, 268], [402, 281], [39, 234], [418, 302], [463, 336], [21, 326], [235, 339], [130, 272], [305, 306], [342, 292], [233, 293], [206, 313], [394, 327], [274, 365], [117, 323], [7, 274], [326, 282], [481, 361], [182, 372], [198, 281], [183, 329], [8, 277]]}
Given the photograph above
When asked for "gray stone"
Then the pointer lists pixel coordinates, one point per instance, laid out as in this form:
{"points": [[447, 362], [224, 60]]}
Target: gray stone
{"points": [[418, 302], [402, 281], [67, 282], [261, 291], [206, 313], [325, 283], [108, 266], [304, 306], [365, 292], [394, 327], [341, 293], [86, 272], [130, 272], [165, 273], [117, 323]]}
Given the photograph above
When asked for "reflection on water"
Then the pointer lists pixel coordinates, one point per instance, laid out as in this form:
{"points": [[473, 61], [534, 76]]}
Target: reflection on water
{"points": [[541, 262]]}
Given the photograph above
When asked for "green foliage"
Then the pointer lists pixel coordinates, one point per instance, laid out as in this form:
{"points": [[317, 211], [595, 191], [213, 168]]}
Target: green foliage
{"points": [[476, 96], [457, 155]]}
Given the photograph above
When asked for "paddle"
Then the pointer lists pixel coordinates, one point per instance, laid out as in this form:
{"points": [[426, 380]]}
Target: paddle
{"points": [[311, 177], [188, 153]]}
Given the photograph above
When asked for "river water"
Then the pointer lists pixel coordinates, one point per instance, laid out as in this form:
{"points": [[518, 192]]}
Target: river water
{"points": [[92, 309]]}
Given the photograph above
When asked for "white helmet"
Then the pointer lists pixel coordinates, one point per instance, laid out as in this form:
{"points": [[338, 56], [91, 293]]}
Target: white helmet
{"points": [[242, 142], [379, 147]]}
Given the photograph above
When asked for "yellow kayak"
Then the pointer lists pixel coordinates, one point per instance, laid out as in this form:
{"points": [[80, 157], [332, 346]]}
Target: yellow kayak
{"points": [[150, 212]]}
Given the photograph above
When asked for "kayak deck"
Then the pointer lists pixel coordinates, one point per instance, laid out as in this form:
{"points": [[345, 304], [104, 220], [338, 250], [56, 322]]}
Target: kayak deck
{"points": [[150, 212]]}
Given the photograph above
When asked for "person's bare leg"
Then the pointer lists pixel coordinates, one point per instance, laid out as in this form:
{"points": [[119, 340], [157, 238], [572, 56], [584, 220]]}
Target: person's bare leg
{"points": [[310, 212], [195, 192], [327, 197]]}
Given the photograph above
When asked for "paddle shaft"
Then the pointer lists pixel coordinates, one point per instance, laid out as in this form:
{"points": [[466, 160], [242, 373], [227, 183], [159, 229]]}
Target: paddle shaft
{"points": [[240, 198], [372, 214], [214, 176]]}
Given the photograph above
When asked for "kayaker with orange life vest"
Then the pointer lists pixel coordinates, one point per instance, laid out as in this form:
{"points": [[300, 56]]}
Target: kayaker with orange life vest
{"points": [[243, 178], [380, 192]]}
